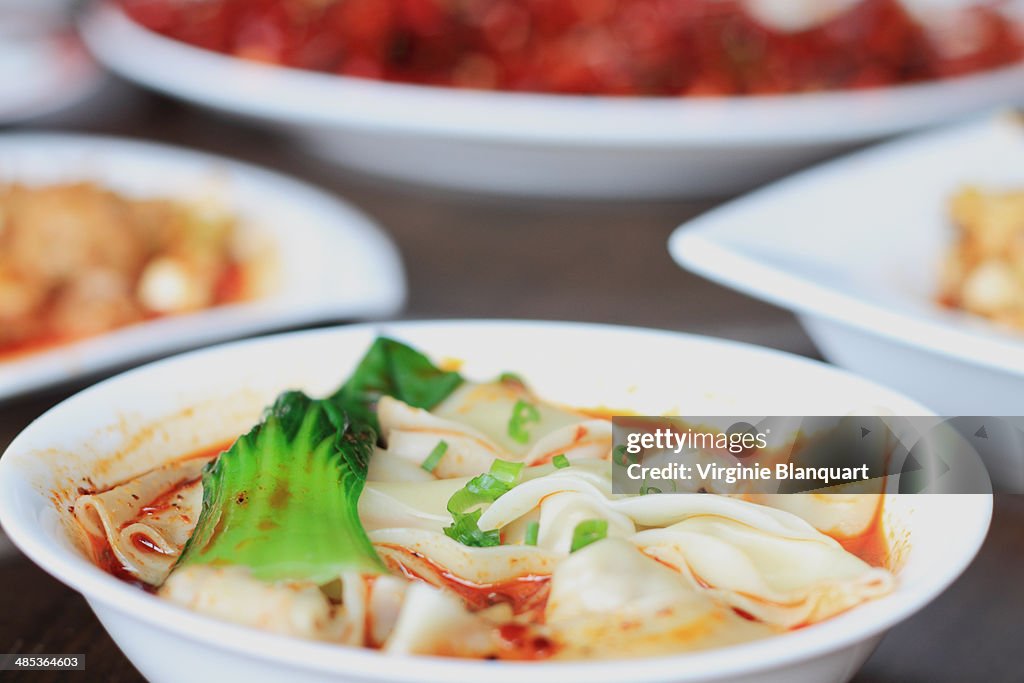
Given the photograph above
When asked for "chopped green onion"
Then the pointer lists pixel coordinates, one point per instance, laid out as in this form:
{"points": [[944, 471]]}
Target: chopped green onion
{"points": [[480, 490], [486, 488], [523, 413], [466, 531], [511, 378], [430, 464], [587, 532], [532, 532], [560, 461], [622, 457], [505, 471]]}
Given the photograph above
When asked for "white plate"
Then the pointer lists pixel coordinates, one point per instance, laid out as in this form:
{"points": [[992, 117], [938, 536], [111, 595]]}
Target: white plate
{"points": [[332, 262], [210, 396], [44, 67], [854, 248], [539, 144]]}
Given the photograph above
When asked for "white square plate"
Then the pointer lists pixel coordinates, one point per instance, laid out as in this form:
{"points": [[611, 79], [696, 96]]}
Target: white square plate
{"points": [[854, 247]]}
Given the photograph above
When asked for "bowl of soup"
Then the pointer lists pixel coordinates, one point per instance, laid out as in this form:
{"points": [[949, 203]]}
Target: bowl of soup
{"points": [[433, 502]]}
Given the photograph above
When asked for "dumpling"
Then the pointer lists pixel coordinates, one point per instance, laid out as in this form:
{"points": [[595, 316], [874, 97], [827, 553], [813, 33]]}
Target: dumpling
{"points": [[528, 496], [560, 513], [384, 605], [403, 504], [840, 515], [474, 425], [300, 610], [365, 610], [488, 408], [388, 466], [610, 600], [780, 579], [611, 576], [412, 433], [434, 623]]}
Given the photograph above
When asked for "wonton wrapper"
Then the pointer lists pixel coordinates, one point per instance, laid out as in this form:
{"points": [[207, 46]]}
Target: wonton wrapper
{"points": [[843, 515], [116, 515], [403, 504], [480, 566]]}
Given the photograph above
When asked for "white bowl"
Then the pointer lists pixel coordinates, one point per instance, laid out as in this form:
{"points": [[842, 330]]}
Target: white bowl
{"points": [[854, 248], [331, 263], [115, 428], [540, 144], [44, 67]]}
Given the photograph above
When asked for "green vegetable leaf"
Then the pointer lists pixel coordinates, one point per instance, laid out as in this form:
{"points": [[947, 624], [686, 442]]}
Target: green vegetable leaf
{"points": [[587, 532], [283, 500], [390, 368], [523, 413]]}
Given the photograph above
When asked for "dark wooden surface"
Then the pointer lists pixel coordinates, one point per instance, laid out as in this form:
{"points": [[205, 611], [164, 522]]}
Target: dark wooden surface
{"points": [[492, 257]]}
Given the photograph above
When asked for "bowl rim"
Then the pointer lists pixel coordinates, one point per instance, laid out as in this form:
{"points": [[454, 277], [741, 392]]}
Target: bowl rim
{"points": [[103, 591], [701, 246], [323, 100]]}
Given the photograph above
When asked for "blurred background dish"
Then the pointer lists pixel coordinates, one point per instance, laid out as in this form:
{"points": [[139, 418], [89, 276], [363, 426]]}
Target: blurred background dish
{"points": [[861, 250], [79, 260], [983, 272], [44, 67], [800, 80], [114, 251]]}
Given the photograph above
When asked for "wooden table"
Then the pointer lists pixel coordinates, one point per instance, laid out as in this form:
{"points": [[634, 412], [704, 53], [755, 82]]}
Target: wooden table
{"points": [[490, 257]]}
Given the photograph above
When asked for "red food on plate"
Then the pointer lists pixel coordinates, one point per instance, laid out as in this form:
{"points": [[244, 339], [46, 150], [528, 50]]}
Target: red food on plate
{"points": [[602, 47]]}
